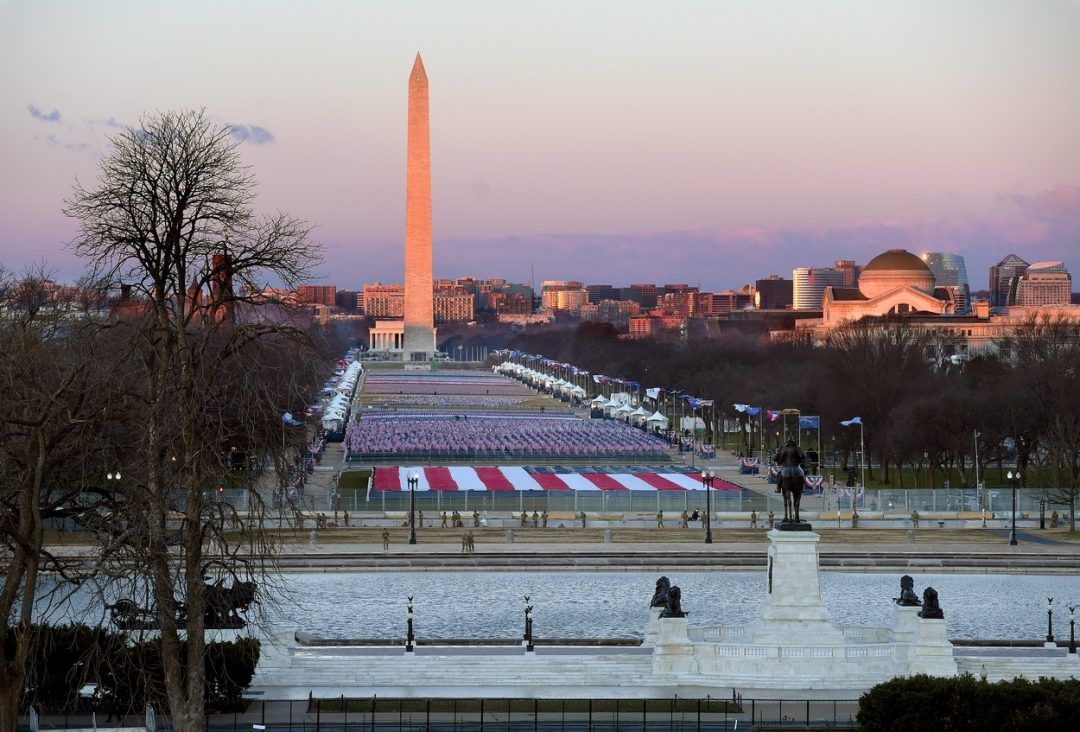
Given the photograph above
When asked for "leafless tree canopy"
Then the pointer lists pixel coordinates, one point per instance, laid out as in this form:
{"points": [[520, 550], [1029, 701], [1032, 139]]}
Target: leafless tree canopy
{"points": [[212, 364]]}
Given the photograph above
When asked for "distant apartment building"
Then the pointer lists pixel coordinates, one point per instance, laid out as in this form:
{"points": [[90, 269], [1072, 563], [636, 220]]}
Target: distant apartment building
{"points": [[384, 301], [347, 301], [453, 302], [616, 312], [317, 294], [849, 270], [686, 303], [598, 293], [1042, 283], [809, 283], [1001, 275], [567, 296], [644, 295], [505, 303], [724, 301], [951, 273], [773, 293], [643, 327]]}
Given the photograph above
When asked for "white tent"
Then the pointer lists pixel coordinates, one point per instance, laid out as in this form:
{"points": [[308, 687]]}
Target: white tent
{"points": [[577, 391], [657, 420], [624, 412], [599, 401], [638, 414]]}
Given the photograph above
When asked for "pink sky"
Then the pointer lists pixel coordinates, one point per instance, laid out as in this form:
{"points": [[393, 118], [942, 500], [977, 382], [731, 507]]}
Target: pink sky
{"points": [[703, 142]]}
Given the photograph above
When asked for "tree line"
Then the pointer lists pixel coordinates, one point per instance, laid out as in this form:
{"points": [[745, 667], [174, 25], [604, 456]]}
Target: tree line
{"points": [[1015, 405], [133, 400]]}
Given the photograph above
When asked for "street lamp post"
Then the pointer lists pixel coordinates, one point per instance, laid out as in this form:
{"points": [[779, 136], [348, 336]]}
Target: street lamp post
{"points": [[707, 478], [414, 479], [1050, 621], [409, 637], [1014, 484], [529, 647], [1072, 628]]}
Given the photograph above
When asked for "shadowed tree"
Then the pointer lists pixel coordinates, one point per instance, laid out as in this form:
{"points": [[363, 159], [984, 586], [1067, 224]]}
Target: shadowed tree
{"points": [[55, 379], [216, 362]]}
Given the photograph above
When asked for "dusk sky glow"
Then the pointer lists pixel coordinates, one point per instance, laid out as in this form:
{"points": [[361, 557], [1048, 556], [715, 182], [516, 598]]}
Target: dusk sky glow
{"points": [[612, 142]]}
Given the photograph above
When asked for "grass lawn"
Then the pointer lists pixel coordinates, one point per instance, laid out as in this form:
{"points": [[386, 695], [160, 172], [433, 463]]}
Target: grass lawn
{"points": [[354, 480]]}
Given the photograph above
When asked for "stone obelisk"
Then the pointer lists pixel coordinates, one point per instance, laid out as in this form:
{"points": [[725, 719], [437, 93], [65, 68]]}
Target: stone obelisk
{"points": [[419, 306]]}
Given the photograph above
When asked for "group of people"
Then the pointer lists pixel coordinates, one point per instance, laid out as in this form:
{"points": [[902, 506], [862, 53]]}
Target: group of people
{"points": [[684, 518], [537, 519]]}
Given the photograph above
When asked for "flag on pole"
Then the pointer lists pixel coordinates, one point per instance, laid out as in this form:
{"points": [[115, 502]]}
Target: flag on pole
{"points": [[772, 415], [653, 393], [853, 420], [809, 423]]}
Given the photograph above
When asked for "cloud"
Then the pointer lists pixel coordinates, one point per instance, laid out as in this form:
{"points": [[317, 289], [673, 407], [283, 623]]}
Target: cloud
{"points": [[40, 116], [1043, 226], [251, 133], [54, 141]]}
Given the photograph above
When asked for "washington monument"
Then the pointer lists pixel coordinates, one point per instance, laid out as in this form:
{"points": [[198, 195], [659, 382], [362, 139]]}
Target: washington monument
{"points": [[419, 308]]}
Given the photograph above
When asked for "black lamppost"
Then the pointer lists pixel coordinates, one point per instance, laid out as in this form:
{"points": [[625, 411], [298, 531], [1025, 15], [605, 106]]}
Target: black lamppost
{"points": [[1050, 621], [1072, 628], [707, 478], [529, 647], [1014, 484], [414, 480], [409, 637]]}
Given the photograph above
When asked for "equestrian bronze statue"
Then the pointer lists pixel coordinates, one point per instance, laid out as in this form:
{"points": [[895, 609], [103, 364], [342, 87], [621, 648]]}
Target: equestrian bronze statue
{"points": [[790, 481]]}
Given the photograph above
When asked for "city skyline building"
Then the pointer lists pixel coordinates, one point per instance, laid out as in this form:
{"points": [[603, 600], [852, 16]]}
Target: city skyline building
{"points": [[950, 272], [1042, 283], [1001, 275], [809, 284]]}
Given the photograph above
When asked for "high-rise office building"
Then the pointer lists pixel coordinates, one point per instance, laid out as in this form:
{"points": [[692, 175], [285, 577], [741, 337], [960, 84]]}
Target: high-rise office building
{"points": [[644, 295], [602, 292], [809, 283], [773, 293], [950, 273], [1042, 283], [1001, 274], [850, 271]]}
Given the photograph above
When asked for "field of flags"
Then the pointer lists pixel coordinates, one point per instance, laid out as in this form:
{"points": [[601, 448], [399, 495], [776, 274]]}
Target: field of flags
{"points": [[381, 435]]}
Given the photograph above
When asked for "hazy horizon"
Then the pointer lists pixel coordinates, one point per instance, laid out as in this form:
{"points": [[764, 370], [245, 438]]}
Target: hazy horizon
{"points": [[701, 142]]}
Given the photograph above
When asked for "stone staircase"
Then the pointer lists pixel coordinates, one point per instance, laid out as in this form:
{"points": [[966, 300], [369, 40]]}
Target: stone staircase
{"points": [[293, 672]]}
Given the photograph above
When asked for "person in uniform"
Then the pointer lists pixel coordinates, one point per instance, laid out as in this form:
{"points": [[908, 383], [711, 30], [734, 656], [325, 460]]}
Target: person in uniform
{"points": [[659, 519], [385, 539], [753, 519]]}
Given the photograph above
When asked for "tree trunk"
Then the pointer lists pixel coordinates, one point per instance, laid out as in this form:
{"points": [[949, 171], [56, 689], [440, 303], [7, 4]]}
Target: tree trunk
{"points": [[9, 700]]}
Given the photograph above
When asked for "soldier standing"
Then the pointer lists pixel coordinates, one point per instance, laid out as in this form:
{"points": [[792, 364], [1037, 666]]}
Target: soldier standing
{"points": [[385, 539], [659, 519], [753, 519]]}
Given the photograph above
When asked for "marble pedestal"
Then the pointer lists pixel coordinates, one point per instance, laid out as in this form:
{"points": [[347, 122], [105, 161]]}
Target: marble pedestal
{"points": [[794, 613], [652, 630], [673, 653]]}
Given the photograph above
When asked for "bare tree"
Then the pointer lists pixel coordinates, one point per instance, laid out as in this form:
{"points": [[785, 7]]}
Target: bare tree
{"points": [[170, 222], [53, 442]]}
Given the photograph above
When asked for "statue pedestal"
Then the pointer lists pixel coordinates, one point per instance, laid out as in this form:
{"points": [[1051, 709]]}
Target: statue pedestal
{"points": [[652, 630], [794, 613], [673, 653], [931, 653]]}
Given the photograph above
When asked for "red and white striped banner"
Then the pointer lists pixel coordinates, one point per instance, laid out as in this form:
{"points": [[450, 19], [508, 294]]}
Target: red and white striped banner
{"points": [[459, 478]]}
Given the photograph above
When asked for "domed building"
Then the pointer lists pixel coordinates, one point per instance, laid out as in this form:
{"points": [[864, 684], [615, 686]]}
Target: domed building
{"points": [[892, 269], [895, 282]]}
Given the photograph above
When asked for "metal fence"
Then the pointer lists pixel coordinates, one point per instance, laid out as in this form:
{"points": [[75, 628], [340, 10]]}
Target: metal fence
{"points": [[347, 714]]}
